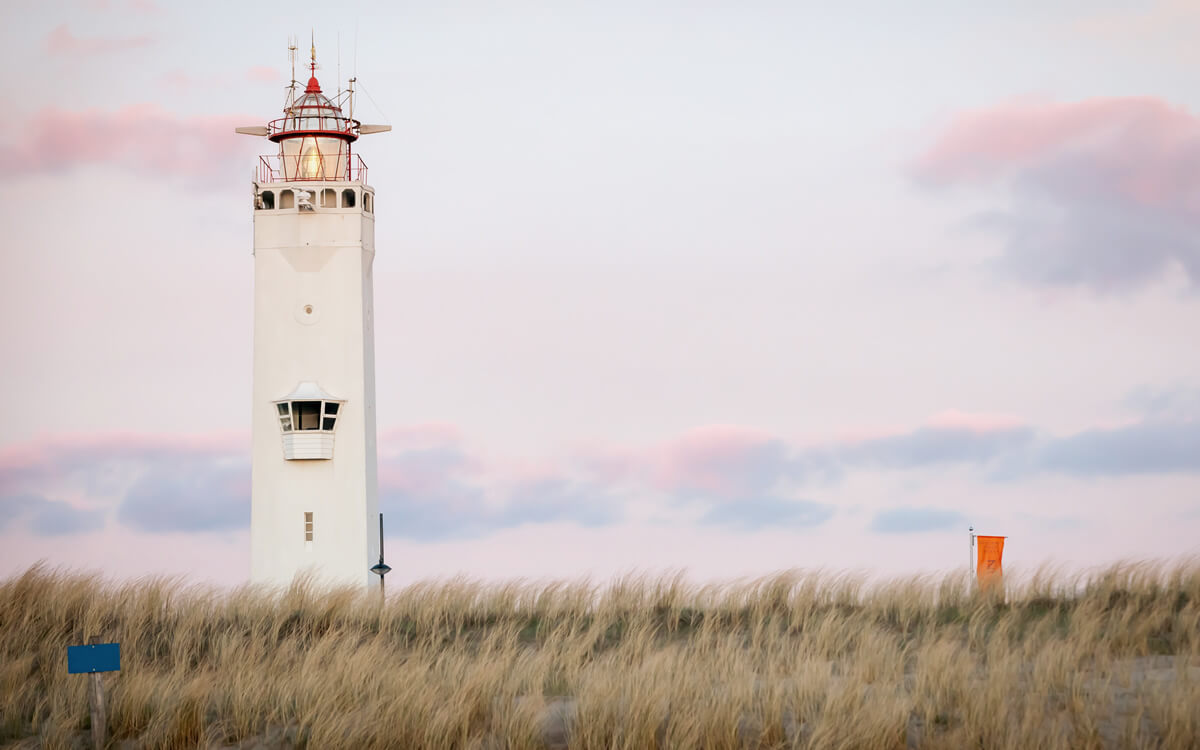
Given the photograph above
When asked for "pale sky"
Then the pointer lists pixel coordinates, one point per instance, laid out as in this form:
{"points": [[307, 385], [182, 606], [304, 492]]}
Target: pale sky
{"points": [[722, 287]]}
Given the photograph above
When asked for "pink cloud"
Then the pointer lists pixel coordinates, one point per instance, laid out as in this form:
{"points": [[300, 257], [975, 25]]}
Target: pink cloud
{"points": [[720, 459], [436, 485], [709, 459], [177, 79], [49, 457], [62, 42], [1106, 191], [420, 458], [141, 138], [1139, 139], [423, 472]]}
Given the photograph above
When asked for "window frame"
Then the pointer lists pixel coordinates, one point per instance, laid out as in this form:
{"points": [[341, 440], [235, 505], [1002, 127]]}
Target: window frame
{"points": [[329, 412]]}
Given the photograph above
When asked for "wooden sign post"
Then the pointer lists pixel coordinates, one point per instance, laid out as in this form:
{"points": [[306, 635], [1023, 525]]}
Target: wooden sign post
{"points": [[92, 659]]}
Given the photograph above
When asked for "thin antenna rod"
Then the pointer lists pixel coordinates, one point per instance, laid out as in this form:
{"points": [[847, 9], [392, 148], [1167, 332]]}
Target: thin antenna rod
{"points": [[354, 77], [313, 39], [381, 538], [291, 97]]}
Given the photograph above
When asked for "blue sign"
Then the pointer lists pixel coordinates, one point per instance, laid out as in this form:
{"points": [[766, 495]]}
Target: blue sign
{"points": [[97, 657]]}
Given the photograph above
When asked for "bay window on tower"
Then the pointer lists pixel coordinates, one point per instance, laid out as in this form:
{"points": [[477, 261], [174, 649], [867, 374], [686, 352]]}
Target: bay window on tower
{"points": [[308, 418]]}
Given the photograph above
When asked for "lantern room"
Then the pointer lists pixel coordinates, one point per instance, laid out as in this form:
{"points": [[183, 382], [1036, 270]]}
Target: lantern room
{"points": [[314, 137]]}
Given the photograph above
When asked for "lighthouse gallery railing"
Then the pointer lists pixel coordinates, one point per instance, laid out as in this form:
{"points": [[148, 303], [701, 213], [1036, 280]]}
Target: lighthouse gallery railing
{"points": [[271, 169]]}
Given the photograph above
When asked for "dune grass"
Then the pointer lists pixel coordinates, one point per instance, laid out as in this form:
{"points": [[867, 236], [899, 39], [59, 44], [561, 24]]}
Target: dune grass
{"points": [[795, 660]]}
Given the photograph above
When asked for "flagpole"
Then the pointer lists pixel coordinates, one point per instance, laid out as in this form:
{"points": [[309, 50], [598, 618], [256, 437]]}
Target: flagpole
{"points": [[971, 549]]}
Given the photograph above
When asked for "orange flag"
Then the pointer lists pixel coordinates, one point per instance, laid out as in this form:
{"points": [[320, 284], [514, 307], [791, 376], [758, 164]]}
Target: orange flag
{"points": [[990, 551]]}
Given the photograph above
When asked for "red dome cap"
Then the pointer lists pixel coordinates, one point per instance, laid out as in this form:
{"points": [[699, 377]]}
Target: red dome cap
{"points": [[313, 86]]}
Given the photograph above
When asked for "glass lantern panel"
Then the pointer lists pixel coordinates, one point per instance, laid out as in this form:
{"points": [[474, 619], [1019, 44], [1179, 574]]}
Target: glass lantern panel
{"points": [[327, 424], [289, 154], [333, 152], [331, 407], [310, 166], [314, 158]]}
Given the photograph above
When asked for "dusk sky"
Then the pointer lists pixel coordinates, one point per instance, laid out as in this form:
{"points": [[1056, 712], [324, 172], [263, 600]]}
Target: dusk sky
{"points": [[723, 287]]}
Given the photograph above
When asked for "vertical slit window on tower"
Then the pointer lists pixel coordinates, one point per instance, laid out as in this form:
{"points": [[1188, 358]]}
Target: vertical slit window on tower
{"points": [[308, 525]]}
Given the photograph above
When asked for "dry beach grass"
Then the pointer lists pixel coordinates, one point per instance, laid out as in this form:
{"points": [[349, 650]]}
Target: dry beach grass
{"points": [[796, 660]]}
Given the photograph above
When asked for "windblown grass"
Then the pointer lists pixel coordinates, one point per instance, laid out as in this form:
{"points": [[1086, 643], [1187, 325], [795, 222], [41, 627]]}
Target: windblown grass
{"points": [[795, 660]]}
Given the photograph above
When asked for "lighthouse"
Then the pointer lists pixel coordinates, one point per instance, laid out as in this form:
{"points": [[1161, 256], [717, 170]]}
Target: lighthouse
{"points": [[314, 501]]}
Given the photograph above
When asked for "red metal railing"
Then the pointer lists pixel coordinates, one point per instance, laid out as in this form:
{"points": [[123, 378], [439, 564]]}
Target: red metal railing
{"points": [[271, 169], [322, 122]]}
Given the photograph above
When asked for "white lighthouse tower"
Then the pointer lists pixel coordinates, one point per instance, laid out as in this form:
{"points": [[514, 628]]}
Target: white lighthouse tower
{"points": [[313, 496]]}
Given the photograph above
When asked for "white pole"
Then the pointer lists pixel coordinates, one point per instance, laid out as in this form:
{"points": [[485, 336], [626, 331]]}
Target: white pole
{"points": [[971, 549]]}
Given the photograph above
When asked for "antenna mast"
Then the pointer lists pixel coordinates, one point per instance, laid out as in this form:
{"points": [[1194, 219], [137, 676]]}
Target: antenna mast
{"points": [[292, 85], [354, 74]]}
